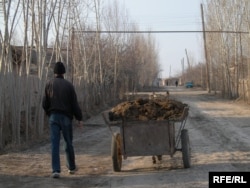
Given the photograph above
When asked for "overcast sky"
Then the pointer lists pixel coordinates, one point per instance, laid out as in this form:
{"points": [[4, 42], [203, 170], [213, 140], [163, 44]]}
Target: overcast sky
{"points": [[171, 15]]}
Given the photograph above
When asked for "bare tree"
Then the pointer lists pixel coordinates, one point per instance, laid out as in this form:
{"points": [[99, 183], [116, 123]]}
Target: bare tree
{"points": [[99, 65], [225, 16]]}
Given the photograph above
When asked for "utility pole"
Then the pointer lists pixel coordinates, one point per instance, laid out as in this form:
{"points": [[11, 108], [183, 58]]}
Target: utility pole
{"points": [[201, 81], [189, 66], [182, 65], [170, 72], [205, 49]]}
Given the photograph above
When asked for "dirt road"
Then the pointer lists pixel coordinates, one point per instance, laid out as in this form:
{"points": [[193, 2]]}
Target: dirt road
{"points": [[219, 137]]}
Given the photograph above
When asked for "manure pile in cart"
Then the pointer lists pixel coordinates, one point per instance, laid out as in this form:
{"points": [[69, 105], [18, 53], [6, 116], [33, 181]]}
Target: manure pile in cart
{"points": [[147, 109]]}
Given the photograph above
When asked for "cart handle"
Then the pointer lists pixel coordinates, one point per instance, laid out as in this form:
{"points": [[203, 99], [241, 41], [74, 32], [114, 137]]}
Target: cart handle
{"points": [[183, 116], [107, 121], [185, 112]]}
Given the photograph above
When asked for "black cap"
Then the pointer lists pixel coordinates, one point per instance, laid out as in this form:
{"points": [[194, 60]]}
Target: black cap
{"points": [[59, 68]]}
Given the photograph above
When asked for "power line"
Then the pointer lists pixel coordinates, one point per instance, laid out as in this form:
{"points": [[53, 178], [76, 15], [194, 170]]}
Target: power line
{"points": [[185, 31]]}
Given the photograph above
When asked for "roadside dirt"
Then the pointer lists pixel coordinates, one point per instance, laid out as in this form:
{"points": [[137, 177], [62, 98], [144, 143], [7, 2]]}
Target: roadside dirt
{"points": [[219, 138]]}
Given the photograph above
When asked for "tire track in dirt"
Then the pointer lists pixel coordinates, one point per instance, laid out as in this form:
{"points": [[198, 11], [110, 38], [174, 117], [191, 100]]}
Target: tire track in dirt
{"points": [[223, 130]]}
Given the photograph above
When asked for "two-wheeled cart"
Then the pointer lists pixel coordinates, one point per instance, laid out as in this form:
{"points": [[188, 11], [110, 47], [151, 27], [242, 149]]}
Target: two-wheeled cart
{"points": [[149, 138]]}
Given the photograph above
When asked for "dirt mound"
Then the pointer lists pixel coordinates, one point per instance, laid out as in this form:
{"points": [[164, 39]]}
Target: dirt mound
{"points": [[147, 109]]}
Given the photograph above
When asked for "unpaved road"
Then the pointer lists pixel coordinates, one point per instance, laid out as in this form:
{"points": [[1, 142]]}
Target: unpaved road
{"points": [[219, 137]]}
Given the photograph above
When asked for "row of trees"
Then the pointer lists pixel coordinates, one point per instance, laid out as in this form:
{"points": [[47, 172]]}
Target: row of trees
{"points": [[228, 52], [226, 68], [102, 66]]}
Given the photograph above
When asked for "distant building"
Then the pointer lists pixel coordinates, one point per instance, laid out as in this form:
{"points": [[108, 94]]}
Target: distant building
{"points": [[171, 81]]}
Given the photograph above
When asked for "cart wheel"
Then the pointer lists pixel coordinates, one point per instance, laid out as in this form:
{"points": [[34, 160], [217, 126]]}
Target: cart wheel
{"points": [[116, 152], [185, 148]]}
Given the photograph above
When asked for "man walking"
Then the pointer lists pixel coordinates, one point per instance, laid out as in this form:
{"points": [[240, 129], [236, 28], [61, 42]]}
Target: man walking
{"points": [[61, 105]]}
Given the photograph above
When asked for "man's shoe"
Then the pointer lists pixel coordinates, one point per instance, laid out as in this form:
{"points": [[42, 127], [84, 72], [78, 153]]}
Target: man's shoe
{"points": [[55, 175], [72, 171]]}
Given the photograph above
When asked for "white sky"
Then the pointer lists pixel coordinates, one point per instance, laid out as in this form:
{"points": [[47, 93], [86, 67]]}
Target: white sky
{"points": [[169, 15]]}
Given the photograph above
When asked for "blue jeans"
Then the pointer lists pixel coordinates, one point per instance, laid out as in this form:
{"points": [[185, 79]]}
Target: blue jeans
{"points": [[61, 123]]}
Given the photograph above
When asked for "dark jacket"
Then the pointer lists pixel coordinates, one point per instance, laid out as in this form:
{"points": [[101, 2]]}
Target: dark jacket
{"points": [[60, 97]]}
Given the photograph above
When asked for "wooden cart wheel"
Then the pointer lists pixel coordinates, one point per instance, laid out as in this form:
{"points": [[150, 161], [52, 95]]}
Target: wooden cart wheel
{"points": [[185, 148], [116, 152]]}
